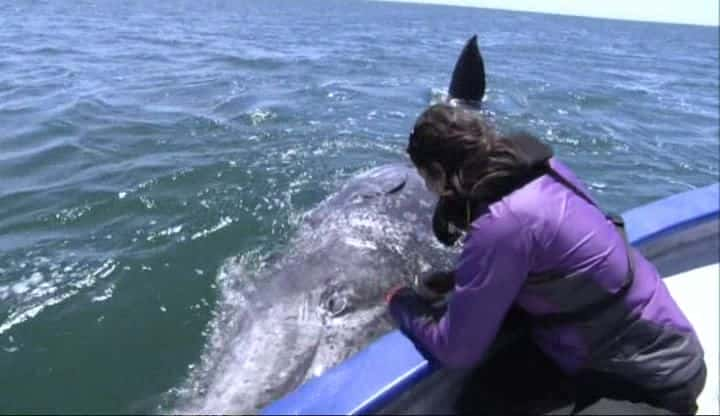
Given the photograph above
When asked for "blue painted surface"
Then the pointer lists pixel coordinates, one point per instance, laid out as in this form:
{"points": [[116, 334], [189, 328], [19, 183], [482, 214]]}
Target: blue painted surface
{"points": [[361, 384], [374, 376], [665, 216]]}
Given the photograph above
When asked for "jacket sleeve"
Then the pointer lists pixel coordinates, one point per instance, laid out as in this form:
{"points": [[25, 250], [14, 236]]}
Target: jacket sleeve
{"points": [[491, 270]]}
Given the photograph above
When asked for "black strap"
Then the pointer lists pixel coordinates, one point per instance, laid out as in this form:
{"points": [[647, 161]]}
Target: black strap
{"points": [[591, 310]]}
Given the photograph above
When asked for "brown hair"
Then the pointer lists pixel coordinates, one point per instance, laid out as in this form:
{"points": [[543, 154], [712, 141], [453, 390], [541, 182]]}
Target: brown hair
{"points": [[480, 165]]}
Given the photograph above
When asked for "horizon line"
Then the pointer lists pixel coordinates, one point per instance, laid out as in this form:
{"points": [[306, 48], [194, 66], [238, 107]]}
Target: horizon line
{"points": [[450, 3]]}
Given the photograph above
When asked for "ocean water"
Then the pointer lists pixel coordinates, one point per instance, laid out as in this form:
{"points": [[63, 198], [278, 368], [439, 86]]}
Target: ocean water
{"points": [[144, 145]]}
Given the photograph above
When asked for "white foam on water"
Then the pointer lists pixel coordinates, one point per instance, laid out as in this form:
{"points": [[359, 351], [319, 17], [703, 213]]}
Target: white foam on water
{"points": [[69, 215], [165, 233], [29, 313], [224, 222], [107, 294], [259, 116], [42, 289]]}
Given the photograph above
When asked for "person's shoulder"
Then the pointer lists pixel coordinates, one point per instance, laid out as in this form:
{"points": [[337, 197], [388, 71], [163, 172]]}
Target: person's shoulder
{"points": [[525, 204], [497, 221], [526, 208]]}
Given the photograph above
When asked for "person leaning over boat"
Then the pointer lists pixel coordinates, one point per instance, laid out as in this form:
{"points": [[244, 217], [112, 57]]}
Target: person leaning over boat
{"points": [[536, 241]]}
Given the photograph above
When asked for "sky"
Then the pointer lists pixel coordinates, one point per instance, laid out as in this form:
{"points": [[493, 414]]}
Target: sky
{"points": [[698, 12]]}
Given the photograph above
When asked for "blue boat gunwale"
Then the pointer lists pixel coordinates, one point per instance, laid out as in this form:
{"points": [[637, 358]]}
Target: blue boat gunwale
{"points": [[391, 364]]}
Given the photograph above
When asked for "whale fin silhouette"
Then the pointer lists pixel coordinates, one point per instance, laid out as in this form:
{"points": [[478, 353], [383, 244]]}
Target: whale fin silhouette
{"points": [[468, 79]]}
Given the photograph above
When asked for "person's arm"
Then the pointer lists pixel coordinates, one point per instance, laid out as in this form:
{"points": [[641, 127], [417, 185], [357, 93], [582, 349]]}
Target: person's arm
{"points": [[491, 270]]}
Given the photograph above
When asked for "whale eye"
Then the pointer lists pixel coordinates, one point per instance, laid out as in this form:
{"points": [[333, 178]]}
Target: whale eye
{"points": [[335, 304]]}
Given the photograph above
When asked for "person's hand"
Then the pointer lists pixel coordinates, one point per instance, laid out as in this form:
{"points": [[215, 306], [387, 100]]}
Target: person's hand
{"points": [[434, 286], [405, 304]]}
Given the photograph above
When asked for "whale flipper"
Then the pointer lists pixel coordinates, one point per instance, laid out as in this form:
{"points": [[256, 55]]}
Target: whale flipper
{"points": [[468, 79]]}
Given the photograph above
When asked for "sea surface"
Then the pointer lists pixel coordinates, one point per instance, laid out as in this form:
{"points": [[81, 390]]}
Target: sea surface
{"points": [[145, 144]]}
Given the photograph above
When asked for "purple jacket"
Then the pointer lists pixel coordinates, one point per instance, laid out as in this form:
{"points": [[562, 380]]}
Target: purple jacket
{"points": [[545, 228]]}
